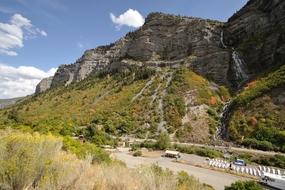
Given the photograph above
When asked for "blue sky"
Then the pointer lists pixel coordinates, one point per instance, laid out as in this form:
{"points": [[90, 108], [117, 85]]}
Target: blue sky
{"points": [[36, 36]]}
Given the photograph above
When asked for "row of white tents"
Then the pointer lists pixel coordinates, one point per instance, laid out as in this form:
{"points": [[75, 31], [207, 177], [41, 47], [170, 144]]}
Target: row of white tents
{"points": [[243, 169]]}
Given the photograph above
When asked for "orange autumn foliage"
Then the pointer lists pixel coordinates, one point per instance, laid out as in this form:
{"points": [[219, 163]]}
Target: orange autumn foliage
{"points": [[91, 112], [106, 112], [249, 85], [136, 107], [113, 98], [158, 80], [213, 100], [253, 121]]}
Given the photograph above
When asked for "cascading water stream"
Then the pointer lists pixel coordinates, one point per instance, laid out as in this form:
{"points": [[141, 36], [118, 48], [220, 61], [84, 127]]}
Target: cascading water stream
{"points": [[239, 67], [221, 131], [222, 39]]}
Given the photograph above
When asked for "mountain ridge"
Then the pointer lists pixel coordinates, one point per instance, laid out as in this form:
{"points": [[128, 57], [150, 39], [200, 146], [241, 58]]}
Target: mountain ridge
{"points": [[176, 41], [9, 101], [183, 72]]}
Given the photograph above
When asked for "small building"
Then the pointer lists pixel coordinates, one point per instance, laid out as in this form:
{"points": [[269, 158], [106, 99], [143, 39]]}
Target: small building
{"points": [[121, 144], [171, 154]]}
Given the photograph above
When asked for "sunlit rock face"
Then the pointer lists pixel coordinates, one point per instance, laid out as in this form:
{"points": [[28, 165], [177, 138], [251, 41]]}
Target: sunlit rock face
{"points": [[44, 85], [260, 27], [253, 38]]}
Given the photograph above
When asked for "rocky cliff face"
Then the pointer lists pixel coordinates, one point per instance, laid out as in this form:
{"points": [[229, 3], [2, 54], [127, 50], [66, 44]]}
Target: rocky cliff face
{"points": [[229, 53], [258, 30], [44, 85]]}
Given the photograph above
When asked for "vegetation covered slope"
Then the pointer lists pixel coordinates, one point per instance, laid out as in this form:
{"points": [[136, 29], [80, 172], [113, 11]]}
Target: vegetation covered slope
{"points": [[258, 113], [107, 105]]}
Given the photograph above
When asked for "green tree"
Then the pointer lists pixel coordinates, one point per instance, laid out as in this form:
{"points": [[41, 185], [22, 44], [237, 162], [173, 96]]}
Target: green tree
{"points": [[184, 181], [163, 141], [14, 115], [244, 185]]}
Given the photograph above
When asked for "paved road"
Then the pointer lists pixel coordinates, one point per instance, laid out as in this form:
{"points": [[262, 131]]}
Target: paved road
{"points": [[215, 178], [234, 148]]}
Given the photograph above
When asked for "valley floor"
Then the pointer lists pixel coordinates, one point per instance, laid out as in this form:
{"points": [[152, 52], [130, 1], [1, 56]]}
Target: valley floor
{"points": [[217, 179]]}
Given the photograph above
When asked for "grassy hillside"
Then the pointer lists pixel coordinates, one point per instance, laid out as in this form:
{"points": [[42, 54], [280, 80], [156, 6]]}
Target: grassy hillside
{"points": [[112, 104], [107, 106]]}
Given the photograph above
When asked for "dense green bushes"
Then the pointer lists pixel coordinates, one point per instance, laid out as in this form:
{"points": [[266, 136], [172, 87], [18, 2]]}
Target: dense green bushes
{"points": [[244, 185], [277, 160], [256, 114], [200, 151], [162, 143], [255, 144], [137, 153], [87, 149]]}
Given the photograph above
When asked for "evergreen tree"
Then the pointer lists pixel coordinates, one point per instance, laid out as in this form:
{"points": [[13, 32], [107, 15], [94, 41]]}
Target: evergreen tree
{"points": [[163, 141]]}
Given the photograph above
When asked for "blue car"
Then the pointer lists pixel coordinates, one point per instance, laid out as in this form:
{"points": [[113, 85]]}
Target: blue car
{"points": [[240, 162]]}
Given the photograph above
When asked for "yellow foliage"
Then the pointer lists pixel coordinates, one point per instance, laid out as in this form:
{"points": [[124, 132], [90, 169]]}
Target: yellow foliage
{"points": [[35, 161]]}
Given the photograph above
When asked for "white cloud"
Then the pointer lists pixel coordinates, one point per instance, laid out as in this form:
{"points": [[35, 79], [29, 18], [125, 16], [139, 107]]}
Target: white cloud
{"points": [[79, 44], [130, 18], [21, 81], [43, 33], [12, 34]]}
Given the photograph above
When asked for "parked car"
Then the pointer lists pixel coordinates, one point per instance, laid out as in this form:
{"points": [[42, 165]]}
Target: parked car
{"points": [[239, 162]]}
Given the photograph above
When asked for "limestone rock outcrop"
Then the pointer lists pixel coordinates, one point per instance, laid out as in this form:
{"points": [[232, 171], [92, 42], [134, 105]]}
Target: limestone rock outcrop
{"points": [[44, 85], [229, 54], [258, 30]]}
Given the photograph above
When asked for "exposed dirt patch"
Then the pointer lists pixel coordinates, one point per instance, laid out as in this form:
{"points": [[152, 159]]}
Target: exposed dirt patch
{"points": [[151, 154]]}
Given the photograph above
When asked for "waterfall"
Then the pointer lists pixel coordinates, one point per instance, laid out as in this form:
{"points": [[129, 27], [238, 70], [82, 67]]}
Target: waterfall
{"points": [[239, 67], [221, 131], [222, 39]]}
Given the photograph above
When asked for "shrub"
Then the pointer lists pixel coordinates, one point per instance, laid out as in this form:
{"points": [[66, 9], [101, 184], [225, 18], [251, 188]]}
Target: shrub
{"points": [[137, 153], [211, 112], [170, 129], [148, 144], [201, 151], [82, 151], [34, 161], [26, 159], [277, 160], [185, 181], [135, 146], [261, 145], [244, 185], [163, 141]]}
